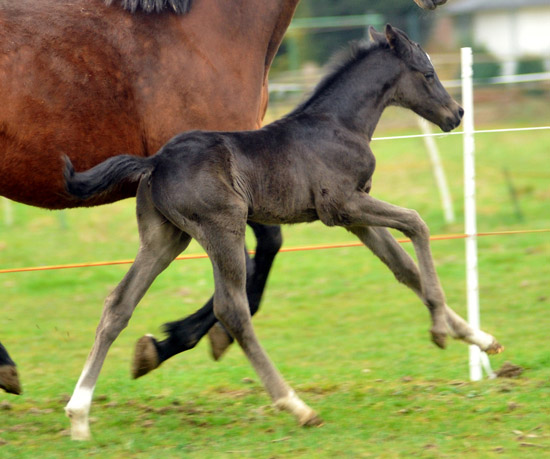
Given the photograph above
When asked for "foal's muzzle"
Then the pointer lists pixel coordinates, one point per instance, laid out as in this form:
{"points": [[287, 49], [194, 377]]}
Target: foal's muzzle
{"points": [[452, 119]]}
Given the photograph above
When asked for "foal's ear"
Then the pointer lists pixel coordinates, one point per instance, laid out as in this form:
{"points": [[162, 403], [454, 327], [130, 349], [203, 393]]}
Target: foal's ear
{"points": [[376, 37], [397, 41]]}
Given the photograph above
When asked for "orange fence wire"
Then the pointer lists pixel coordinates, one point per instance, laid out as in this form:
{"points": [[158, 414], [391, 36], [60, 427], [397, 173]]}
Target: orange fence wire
{"points": [[441, 237]]}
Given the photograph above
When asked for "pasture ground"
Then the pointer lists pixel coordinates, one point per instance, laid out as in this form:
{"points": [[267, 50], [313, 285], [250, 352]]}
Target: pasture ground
{"points": [[352, 342]]}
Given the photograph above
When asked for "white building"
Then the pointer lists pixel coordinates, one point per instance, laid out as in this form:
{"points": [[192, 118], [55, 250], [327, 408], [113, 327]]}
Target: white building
{"points": [[508, 29]]}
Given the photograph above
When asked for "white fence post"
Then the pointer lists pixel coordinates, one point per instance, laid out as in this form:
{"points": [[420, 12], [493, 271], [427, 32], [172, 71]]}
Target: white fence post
{"points": [[8, 212], [477, 358], [439, 173]]}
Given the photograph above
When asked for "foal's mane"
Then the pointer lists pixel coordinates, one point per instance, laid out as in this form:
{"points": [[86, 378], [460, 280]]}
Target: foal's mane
{"points": [[155, 6], [339, 64]]}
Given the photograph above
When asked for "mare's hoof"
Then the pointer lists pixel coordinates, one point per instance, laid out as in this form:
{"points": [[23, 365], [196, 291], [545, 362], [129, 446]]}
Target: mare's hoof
{"points": [[9, 380], [494, 348], [145, 357], [439, 339], [219, 341]]}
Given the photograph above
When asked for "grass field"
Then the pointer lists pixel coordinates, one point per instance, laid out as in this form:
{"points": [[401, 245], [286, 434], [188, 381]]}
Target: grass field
{"points": [[352, 342]]}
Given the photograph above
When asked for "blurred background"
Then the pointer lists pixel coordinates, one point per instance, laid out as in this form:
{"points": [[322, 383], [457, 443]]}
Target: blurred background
{"points": [[510, 41]]}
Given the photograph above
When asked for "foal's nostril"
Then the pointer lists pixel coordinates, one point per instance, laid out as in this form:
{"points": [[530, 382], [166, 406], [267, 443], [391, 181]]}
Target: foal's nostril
{"points": [[460, 112]]}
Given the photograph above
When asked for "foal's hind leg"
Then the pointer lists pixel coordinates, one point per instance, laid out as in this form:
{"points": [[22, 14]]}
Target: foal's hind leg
{"points": [[224, 246], [390, 252], [161, 242]]}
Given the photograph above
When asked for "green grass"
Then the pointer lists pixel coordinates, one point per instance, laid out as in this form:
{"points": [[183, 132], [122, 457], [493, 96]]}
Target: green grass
{"points": [[352, 342]]}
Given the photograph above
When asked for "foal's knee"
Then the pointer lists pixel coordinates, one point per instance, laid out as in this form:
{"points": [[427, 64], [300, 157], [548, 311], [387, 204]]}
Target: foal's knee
{"points": [[416, 226]]}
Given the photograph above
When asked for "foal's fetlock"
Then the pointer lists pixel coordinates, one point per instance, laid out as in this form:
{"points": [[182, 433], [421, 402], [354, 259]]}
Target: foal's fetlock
{"points": [[461, 330], [439, 329], [146, 356], [293, 404]]}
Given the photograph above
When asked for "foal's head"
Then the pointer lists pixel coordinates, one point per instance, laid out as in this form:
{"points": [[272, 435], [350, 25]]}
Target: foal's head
{"points": [[418, 86]]}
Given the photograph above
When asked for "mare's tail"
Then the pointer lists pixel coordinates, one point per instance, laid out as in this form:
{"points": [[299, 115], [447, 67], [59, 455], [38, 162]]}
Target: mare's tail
{"points": [[105, 176]]}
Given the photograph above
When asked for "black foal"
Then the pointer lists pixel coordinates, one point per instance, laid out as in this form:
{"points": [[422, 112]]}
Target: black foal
{"points": [[314, 164]]}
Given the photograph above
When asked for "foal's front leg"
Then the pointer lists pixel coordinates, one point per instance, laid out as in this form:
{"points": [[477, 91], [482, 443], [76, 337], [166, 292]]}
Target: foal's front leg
{"points": [[390, 252], [362, 210]]}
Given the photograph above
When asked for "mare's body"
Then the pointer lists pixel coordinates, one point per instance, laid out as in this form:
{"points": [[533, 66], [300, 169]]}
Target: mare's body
{"points": [[314, 164]]}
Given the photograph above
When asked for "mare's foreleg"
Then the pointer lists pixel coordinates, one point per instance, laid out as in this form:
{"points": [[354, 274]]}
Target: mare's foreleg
{"points": [[185, 334], [9, 379], [389, 251]]}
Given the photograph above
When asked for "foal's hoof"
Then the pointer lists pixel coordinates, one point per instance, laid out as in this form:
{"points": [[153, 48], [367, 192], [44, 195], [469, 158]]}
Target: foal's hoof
{"points": [[494, 348], [9, 380], [80, 426], [314, 421], [145, 356], [219, 341], [439, 339]]}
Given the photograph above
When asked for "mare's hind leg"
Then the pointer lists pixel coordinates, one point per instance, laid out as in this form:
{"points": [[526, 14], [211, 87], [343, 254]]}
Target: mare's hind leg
{"points": [[184, 334], [9, 379], [224, 246], [390, 252], [160, 243]]}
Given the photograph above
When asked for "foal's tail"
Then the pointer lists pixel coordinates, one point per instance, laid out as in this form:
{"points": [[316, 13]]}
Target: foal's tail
{"points": [[105, 176]]}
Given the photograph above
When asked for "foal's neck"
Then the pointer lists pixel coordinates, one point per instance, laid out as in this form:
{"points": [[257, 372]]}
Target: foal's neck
{"points": [[358, 96]]}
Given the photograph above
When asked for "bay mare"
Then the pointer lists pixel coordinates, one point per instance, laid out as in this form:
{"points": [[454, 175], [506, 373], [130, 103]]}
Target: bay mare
{"points": [[314, 164], [95, 78]]}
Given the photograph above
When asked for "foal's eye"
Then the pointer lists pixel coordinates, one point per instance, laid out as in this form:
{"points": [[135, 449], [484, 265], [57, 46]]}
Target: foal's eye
{"points": [[430, 76]]}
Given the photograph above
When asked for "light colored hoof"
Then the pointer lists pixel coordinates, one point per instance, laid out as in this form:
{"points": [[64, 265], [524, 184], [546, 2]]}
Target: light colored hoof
{"points": [[219, 341], [494, 348], [80, 428], [145, 357], [9, 379], [293, 404], [313, 421]]}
